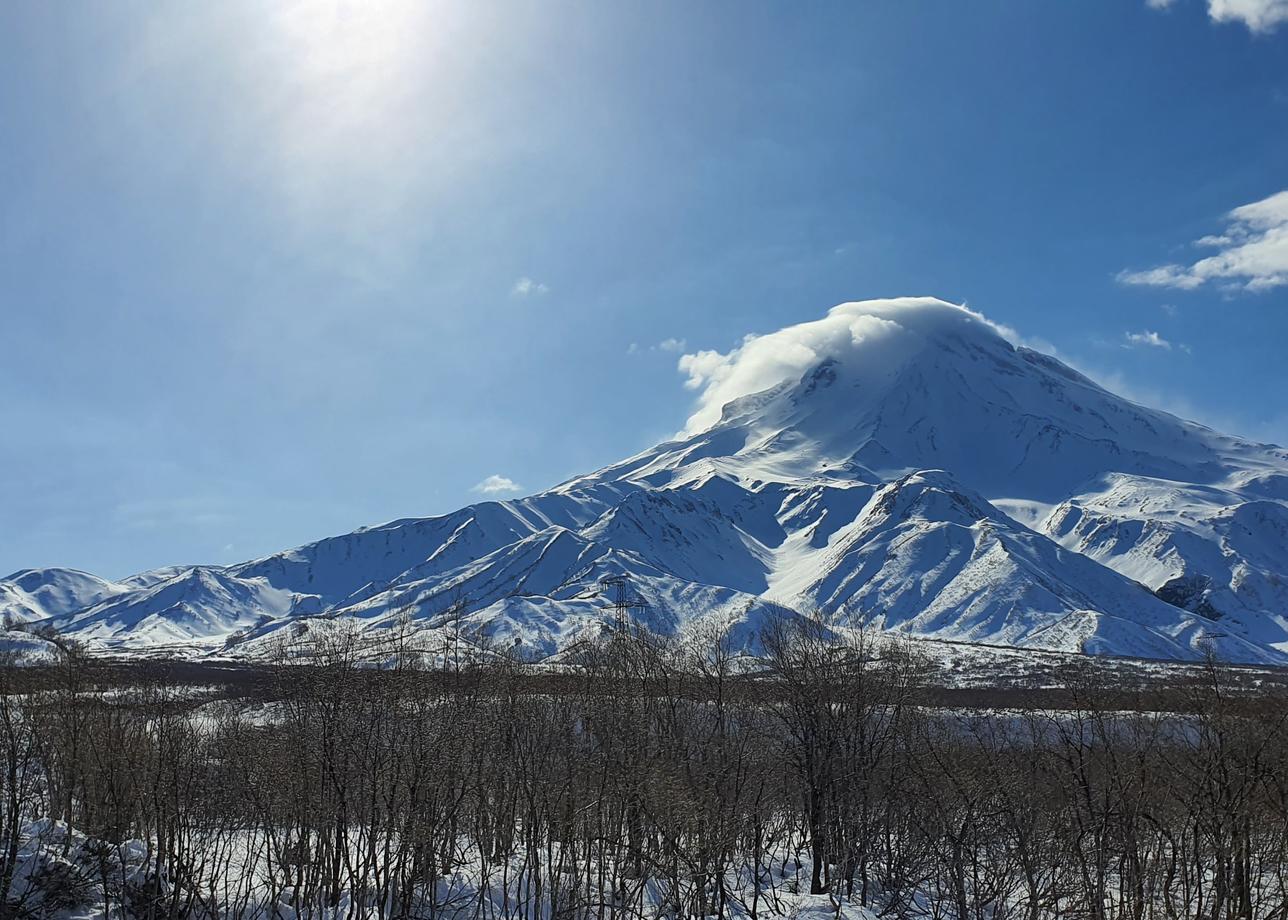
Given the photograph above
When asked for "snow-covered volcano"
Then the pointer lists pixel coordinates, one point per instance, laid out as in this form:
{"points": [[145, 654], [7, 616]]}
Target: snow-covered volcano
{"points": [[898, 462]]}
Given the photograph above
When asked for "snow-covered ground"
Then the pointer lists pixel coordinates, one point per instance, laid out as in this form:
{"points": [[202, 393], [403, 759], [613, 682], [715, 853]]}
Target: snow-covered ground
{"points": [[65, 875]]}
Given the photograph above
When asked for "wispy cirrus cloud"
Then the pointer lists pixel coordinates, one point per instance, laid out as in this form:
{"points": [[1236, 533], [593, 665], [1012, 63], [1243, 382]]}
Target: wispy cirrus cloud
{"points": [[1251, 254]]}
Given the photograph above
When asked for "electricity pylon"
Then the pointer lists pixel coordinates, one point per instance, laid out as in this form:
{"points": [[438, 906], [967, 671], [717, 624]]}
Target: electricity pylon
{"points": [[623, 601]]}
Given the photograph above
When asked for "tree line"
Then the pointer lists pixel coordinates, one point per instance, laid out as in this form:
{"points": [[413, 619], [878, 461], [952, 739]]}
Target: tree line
{"points": [[662, 780]]}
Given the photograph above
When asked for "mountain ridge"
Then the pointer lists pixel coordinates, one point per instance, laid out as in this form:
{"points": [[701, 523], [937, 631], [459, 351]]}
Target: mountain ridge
{"points": [[1036, 509]]}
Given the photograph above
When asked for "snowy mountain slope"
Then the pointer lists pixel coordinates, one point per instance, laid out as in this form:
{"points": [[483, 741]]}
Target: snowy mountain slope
{"points": [[896, 462], [1210, 550], [944, 390], [196, 603], [368, 559], [34, 594], [927, 557]]}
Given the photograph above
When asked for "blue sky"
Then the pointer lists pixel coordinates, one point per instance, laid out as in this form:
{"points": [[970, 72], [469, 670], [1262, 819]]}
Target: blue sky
{"points": [[270, 272]]}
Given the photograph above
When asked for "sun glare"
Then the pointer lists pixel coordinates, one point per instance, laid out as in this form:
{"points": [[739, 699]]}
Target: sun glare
{"points": [[352, 82], [368, 42]]}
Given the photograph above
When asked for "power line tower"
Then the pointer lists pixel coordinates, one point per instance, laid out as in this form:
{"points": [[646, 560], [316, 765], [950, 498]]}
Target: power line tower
{"points": [[617, 587]]}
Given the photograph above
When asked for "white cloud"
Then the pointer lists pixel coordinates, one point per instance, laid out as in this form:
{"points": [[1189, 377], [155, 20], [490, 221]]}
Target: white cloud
{"points": [[526, 287], [1169, 309], [672, 345], [497, 485], [848, 331], [1152, 339], [1173, 276], [1260, 16], [1252, 253]]}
